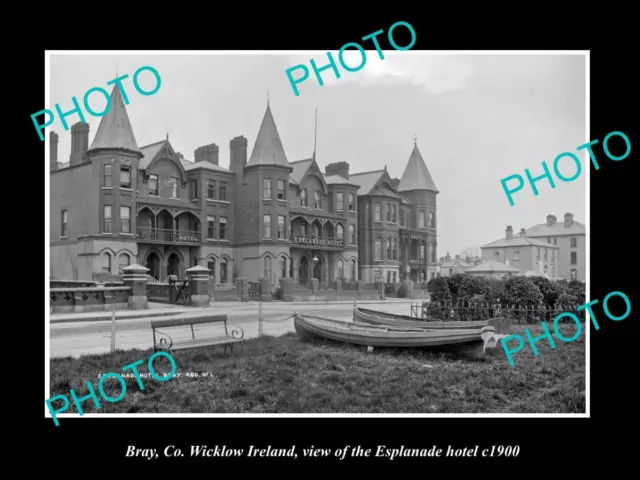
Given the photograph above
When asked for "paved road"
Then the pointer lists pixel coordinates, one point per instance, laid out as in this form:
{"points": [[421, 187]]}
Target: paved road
{"points": [[79, 338]]}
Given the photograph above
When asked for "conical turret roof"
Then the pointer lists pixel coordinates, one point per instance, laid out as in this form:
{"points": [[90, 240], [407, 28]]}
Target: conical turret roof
{"points": [[115, 130], [268, 149], [416, 175]]}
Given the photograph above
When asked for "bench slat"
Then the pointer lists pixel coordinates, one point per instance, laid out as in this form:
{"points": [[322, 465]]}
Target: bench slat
{"points": [[176, 322], [203, 342]]}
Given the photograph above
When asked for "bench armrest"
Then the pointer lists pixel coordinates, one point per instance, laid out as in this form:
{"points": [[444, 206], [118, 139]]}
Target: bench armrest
{"points": [[165, 341], [236, 331]]}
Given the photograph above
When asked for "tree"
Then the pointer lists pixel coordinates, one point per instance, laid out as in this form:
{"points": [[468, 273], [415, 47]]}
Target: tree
{"points": [[470, 252]]}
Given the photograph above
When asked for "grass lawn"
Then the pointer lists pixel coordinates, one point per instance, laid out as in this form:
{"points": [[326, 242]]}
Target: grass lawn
{"points": [[285, 375]]}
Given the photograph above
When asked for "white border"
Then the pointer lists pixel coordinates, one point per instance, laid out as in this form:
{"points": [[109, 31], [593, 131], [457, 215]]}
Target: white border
{"points": [[47, 97]]}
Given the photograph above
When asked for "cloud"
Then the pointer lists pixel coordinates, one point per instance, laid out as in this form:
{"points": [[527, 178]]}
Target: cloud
{"points": [[435, 73]]}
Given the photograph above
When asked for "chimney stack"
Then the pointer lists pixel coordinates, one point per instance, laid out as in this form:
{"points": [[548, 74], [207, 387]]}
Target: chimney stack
{"points": [[523, 232], [238, 156], [53, 151], [568, 220], [337, 168], [509, 232], [79, 142], [551, 219], [395, 183], [180, 155], [207, 153]]}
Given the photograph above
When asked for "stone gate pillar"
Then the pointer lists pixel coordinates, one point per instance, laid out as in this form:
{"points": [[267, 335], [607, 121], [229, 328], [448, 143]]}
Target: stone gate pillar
{"points": [[198, 285], [135, 277]]}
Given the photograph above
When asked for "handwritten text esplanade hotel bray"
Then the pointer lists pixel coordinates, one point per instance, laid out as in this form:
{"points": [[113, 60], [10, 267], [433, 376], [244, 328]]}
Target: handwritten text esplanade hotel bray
{"points": [[103, 378], [77, 110], [332, 63], [574, 158]]}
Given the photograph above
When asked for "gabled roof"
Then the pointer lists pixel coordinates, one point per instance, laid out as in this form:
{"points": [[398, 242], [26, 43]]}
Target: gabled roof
{"points": [[453, 262], [366, 180], [268, 149], [517, 241], [558, 228], [338, 180], [115, 130], [206, 165], [303, 168], [152, 150], [492, 266], [300, 167], [416, 175]]}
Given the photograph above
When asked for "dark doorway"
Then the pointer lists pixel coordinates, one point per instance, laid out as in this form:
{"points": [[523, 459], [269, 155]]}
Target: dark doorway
{"points": [[153, 264], [173, 265], [317, 269], [303, 271]]}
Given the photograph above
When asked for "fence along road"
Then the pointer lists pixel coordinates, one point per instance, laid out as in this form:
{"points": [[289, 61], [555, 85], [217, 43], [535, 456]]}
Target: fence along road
{"points": [[82, 338]]}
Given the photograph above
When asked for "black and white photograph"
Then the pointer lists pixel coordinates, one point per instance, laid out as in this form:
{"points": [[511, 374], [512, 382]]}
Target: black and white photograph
{"points": [[278, 233]]}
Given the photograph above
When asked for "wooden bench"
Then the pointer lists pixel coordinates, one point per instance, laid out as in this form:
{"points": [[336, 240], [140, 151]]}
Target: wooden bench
{"points": [[228, 337]]}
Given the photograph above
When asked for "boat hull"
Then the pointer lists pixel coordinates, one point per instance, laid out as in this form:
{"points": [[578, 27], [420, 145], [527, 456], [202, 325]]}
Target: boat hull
{"points": [[373, 317], [451, 340]]}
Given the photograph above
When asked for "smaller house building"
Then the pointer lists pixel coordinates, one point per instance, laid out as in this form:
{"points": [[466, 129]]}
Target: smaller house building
{"points": [[523, 253], [450, 266], [493, 269], [570, 237]]}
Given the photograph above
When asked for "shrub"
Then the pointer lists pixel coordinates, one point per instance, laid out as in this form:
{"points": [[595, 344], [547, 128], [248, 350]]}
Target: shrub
{"points": [[402, 291], [389, 288], [550, 290], [438, 289]]}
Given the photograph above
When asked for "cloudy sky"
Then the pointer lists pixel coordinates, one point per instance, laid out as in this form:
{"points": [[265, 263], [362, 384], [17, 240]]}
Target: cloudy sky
{"points": [[478, 119]]}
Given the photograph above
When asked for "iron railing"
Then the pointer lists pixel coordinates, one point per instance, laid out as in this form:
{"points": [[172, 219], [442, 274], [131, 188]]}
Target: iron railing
{"points": [[165, 235]]}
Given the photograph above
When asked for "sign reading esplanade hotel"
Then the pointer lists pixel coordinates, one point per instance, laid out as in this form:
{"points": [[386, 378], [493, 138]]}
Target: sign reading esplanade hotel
{"points": [[114, 204]]}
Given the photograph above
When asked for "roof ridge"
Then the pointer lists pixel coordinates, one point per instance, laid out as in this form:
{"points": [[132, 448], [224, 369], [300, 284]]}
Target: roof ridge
{"points": [[364, 173], [300, 161], [154, 143]]}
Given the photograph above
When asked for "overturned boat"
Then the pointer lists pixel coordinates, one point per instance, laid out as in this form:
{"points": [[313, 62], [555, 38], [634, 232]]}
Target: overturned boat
{"points": [[374, 317], [466, 340]]}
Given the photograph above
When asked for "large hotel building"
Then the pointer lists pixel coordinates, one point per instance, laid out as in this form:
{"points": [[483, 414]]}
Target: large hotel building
{"points": [[114, 204]]}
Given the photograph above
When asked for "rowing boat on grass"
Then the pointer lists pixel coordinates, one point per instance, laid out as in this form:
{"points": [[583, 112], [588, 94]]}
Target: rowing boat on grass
{"points": [[449, 340], [374, 317]]}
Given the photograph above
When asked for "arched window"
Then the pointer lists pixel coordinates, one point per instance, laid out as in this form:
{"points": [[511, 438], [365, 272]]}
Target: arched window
{"points": [[267, 268], [388, 249], [223, 271], [211, 265], [318, 230], [340, 269], [432, 248], [378, 250], [282, 267], [303, 227], [123, 261], [340, 233], [422, 251], [106, 262], [394, 255], [354, 274]]}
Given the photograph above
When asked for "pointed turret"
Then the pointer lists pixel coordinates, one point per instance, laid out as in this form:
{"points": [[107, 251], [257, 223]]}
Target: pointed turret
{"points": [[115, 130], [268, 149], [416, 176]]}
